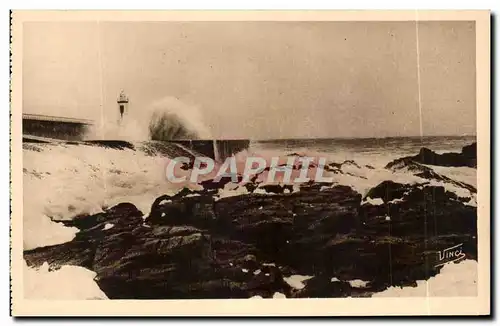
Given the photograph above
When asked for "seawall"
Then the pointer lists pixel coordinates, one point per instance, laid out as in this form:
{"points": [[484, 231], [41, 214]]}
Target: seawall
{"points": [[216, 149]]}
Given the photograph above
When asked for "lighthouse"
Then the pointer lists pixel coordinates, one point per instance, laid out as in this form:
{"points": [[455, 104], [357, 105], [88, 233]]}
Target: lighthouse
{"points": [[122, 104]]}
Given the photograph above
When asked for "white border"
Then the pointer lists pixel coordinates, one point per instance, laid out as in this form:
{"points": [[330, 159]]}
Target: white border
{"points": [[255, 4]]}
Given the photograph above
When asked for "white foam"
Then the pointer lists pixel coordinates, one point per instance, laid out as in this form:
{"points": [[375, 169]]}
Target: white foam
{"points": [[231, 189], [262, 191], [278, 295], [108, 226], [454, 280], [472, 202], [395, 200], [358, 283], [296, 281], [363, 179], [461, 174], [39, 230], [66, 283], [64, 181], [459, 191], [168, 112], [374, 202]]}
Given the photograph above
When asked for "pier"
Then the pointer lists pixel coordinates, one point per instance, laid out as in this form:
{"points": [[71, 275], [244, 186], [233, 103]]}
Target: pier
{"points": [[44, 128], [38, 126]]}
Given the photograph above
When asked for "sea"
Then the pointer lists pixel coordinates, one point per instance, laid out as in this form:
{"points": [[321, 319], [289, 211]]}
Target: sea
{"points": [[63, 180], [373, 151]]}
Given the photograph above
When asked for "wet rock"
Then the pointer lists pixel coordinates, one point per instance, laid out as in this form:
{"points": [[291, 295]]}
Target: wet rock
{"points": [[388, 190], [277, 189], [80, 251], [296, 154], [322, 287], [425, 172], [192, 246], [76, 252], [429, 174], [468, 158], [267, 282], [115, 144], [193, 209], [219, 184], [470, 151], [410, 232], [123, 216], [153, 267]]}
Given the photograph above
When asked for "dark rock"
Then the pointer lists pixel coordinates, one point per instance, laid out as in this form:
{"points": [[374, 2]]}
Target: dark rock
{"points": [[426, 172], [212, 184], [76, 252], [192, 246], [351, 163], [258, 219], [468, 158], [192, 209], [121, 215], [334, 168], [276, 188], [337, 167], [152, 267], [429, 174], [296, 154], [115, 144], [80, 251], [428, 219], [470, 151], [388, 190], [427, 156], [322, 287], [267, 282]]}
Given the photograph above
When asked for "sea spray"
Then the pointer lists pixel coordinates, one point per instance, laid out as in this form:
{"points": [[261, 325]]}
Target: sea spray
{"points": [[64, 181], [165, 119], [61, 181], [173, 119]]}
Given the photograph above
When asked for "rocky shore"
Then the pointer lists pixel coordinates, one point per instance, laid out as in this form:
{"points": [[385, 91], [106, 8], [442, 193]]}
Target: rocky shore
{"points": [[467, 157], [320, 240]]}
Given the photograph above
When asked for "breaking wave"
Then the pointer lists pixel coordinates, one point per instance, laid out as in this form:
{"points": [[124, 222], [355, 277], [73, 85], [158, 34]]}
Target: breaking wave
{"points": [[62, 181], [166, 119]]}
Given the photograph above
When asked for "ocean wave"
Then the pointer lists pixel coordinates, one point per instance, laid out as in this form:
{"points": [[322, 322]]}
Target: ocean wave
{"points": [[165, 119], [63, 181]]}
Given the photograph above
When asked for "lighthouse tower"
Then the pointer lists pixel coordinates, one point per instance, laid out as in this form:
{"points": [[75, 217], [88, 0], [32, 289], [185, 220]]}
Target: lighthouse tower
{"points": [[122, 104]]}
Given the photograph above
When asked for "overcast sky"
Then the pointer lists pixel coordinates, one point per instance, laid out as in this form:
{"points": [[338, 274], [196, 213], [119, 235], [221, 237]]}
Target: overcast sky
{"points": [[261, 79]]}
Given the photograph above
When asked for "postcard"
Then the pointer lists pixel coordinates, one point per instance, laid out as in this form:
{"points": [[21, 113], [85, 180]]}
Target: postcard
{"points": [[250, 163]]}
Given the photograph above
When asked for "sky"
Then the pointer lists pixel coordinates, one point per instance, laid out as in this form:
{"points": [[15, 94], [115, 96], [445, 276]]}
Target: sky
{"points": [[261, 80]]}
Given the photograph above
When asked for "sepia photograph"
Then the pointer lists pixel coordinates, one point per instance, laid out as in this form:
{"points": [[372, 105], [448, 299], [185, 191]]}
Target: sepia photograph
{"points": [[202, 157]]}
